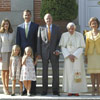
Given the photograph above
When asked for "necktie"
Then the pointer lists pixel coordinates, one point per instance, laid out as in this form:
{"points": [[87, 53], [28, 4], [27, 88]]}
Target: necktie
{"points": [[49, 33], [26, 30]]}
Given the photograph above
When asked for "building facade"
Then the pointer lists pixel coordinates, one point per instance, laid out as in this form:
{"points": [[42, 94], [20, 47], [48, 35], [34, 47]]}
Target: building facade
{"points": [[12, 9]]}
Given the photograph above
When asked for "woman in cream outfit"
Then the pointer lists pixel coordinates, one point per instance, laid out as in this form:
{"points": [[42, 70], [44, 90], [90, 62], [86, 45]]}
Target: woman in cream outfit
{"points": [[72, 45], [6, 42], [92, 53]]}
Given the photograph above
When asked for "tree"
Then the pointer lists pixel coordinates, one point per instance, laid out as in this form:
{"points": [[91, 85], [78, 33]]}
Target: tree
{"points": [[60, 9]]}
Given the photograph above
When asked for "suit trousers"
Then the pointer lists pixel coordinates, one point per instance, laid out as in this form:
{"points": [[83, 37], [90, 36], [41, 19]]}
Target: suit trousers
{"points": [[55, 73]]}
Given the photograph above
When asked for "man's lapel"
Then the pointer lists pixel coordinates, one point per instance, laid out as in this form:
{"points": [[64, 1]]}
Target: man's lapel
{"points": [[24, 34]]}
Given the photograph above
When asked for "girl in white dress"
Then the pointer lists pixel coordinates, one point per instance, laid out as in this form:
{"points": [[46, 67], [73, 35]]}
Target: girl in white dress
{"points": [[28, 70], [15, 68]]}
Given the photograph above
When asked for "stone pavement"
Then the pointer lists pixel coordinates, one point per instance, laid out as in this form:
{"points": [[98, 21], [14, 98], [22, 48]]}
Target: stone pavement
{"points": [[49, 97]]}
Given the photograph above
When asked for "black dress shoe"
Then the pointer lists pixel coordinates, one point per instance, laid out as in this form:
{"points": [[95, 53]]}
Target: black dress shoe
{"points": [[44, 93], [13, 94], [33, 93], [24, 93], [21, 94], [56, 93]]}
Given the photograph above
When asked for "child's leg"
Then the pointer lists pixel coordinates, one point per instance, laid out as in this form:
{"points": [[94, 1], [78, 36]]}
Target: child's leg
{"points": [[25, 84], [29, 86], [21, 86], [13, 86]]}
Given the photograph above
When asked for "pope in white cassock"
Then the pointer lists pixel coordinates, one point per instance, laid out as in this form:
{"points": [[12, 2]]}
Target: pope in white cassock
{"points": [[72, 45]]}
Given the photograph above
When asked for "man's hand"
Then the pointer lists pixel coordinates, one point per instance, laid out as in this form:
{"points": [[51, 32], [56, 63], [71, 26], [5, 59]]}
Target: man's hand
{"points": [[72, 58], [57, 53]]}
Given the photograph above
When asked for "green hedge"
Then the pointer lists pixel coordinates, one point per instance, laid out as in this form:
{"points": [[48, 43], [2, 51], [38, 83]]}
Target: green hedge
{"points": [[60, 9]]}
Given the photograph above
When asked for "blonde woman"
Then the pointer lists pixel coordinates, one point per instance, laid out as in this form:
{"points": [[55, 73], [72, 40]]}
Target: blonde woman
{"points": [[92, 53], [6, 42]]}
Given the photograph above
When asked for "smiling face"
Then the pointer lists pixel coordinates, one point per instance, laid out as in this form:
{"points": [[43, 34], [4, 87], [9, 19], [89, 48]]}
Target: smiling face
{"points": [[27, 16], [94, 24], [16, 51], [48, 19], [71, 29], [6, 25]]}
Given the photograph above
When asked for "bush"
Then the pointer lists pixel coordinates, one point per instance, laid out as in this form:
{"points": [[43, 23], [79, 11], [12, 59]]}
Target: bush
{"points": [[60, 9]]}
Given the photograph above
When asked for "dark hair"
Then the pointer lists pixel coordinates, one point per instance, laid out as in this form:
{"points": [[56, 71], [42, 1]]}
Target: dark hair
{"points": [[27, 11], [94, 19], [2, 30]]}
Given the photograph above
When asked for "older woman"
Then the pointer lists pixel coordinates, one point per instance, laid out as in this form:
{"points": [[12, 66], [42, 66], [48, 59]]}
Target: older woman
{"points": [[72, 45], [92, 53], [6, 42]]}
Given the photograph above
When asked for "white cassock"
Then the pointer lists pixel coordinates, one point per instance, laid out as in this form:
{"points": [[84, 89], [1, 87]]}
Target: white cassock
{"points": [[73, 44]]}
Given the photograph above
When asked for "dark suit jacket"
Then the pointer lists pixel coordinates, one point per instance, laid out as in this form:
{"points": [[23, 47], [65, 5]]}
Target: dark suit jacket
{"points": [[31, 40], [45, 47]]}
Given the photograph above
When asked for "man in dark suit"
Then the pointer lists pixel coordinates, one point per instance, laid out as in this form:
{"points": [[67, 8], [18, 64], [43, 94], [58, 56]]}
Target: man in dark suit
{"points": [[48, 49], [27, 36]]}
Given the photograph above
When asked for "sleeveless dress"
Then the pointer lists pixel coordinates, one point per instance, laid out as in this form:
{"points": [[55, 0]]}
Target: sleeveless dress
{"points": [[28, 71], [16, 68]]}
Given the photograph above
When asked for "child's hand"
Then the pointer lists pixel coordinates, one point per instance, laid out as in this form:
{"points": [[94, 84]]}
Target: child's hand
{"points": [[36, 61], [24, 60], [26, 56]]}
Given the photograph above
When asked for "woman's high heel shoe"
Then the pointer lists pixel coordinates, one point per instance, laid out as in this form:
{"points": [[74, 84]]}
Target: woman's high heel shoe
{"points": [[7, 92], [4, 90]]}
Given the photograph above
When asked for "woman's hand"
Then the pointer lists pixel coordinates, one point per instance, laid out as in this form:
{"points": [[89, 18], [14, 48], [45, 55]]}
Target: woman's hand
{"points": [[86, 60]]}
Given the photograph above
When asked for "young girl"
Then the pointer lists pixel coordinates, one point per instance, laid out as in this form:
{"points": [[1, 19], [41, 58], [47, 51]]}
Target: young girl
{"points": [[28, 70], [15, 68]]}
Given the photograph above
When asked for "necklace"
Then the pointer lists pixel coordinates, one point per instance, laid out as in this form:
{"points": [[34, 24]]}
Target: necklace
{"points": [[94, 33]]}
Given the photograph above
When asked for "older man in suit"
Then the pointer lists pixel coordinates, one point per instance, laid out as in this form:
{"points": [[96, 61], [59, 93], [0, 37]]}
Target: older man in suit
{"points": [[48, 49], [27, 36]]}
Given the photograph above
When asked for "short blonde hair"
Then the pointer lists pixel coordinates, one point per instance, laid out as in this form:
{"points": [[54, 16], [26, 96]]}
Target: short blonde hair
{"points": [[93, 19], [70, 24], [14, 48]]}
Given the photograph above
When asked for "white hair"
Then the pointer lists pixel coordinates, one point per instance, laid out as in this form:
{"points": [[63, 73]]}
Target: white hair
{"points": [[70, 24], [46, 15]]}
